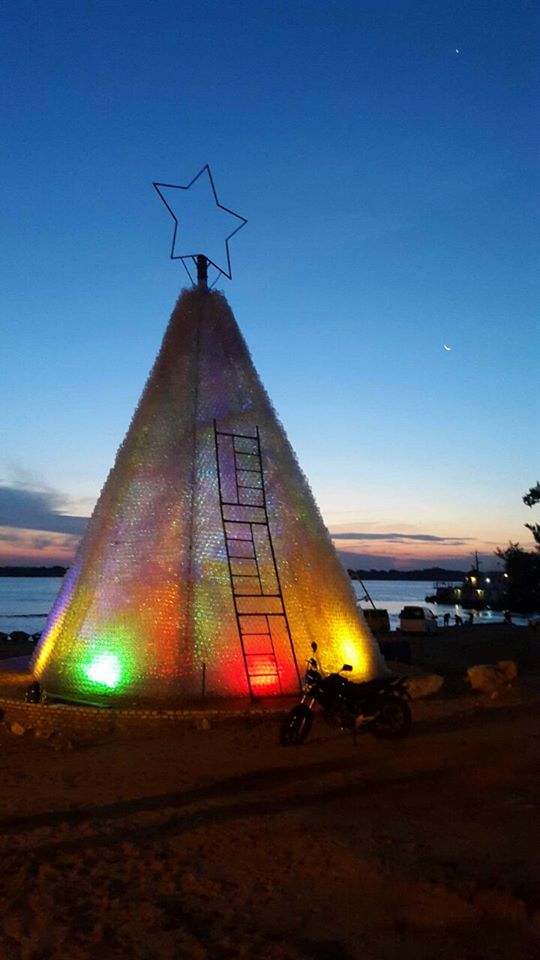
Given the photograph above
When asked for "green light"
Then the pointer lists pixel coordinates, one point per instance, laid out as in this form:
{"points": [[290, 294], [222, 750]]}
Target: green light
{"points": [[105, 670]]}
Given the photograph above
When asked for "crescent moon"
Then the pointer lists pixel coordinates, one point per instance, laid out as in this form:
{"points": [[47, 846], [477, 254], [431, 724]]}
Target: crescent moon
{"points": [[447, 348]]}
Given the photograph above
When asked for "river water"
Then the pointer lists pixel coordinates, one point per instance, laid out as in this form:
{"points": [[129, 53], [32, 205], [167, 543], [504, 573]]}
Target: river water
{"points": [[26, 601]]}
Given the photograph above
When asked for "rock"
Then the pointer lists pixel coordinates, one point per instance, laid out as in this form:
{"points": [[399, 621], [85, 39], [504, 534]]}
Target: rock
{"points": [[36, 637], [3, 636], [485, 678], [59, 741], [508, 668], [19, 636], [17, 729], [492, 678], [424, 686], [202, 723], [44, 733], [501, 904]]}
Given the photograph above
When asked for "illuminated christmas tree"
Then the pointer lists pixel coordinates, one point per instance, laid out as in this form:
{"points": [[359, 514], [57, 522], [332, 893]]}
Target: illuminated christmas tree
{"points": [[206, 566]]}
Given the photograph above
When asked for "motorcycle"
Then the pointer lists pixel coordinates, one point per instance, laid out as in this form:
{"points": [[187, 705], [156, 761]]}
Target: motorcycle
{"points": [[380, 704]]}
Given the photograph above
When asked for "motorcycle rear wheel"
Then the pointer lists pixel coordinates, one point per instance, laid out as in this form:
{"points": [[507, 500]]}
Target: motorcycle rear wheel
{"points": [[393, 720], [296, 726]]}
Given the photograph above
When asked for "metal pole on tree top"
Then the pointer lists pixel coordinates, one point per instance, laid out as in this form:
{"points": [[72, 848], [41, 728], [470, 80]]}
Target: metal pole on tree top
{"points": [[202, 272]]}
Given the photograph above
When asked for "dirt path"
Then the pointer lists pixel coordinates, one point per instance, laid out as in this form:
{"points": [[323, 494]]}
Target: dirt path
{"points": [[220, 844]]}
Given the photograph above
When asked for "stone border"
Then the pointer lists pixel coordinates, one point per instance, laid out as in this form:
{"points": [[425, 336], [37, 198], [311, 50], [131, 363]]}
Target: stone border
{"points": [[84, 721]]}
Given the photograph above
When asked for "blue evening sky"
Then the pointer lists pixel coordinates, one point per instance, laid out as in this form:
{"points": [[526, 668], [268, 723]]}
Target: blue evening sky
{"points": [[386, 156]]}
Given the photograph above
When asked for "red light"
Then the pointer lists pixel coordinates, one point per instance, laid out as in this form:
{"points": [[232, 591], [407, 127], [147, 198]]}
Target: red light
{"points": [[263, 675], [265, 686]]}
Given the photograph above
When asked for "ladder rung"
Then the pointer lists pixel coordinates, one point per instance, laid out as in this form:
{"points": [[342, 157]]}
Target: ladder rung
{"points": [[241, 436], [252, 523], [260, 596], [247, 523], [246, 453]]}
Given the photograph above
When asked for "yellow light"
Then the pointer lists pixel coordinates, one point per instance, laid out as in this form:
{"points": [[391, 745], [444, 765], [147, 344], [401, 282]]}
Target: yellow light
{"points": [[346, 649]]}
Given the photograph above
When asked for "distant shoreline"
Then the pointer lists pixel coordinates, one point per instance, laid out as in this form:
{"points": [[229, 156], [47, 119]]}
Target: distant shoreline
{"points": [[32, 571], [430, 574]]}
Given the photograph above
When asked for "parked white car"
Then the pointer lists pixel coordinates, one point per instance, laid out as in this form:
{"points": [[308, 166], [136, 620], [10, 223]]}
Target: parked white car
{"points": [[417, 620]]}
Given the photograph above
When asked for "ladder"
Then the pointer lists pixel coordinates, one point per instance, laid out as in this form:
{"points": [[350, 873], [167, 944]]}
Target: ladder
{"points": [[261, 617]]}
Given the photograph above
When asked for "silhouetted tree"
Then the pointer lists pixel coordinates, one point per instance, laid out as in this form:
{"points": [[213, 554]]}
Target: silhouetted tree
{"points": [[523, 566], [523, 570], [530, 499]]}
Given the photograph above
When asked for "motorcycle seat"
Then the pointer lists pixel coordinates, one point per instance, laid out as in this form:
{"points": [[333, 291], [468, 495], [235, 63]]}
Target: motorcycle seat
{"points": [[372, 686]]}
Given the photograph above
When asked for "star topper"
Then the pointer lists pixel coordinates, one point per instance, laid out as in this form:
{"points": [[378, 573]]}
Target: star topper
{"points": [[193, 240]]}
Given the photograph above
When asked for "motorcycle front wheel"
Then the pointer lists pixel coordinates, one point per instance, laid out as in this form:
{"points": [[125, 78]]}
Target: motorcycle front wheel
{"points": [[296, 726], [393, 719]]}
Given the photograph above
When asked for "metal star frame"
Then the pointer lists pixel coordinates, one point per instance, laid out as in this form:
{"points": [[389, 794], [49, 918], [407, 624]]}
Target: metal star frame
{"points": [[194, 256]]}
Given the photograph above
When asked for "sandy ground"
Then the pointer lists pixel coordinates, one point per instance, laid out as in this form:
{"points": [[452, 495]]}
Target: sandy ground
{"points": [[220, 844]]}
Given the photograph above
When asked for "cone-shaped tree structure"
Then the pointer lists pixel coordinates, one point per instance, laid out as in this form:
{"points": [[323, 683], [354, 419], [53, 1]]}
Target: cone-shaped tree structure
{"points": [[149, 598]]}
